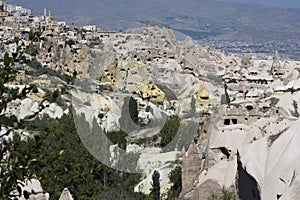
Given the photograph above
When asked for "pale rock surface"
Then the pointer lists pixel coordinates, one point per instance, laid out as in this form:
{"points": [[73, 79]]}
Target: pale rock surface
{"points": [[22, 108], [91, 105], [245, 60], [7, 133], [223, 172], [214, 166], [191, 165], [66, 195], [53, 111], [110, 122], [275, 167], [35, 186], [204, 192], [162, 162]]}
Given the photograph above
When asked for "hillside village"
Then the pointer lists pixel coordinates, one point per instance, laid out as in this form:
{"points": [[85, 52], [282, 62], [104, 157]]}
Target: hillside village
{"points": [[245, 110]]}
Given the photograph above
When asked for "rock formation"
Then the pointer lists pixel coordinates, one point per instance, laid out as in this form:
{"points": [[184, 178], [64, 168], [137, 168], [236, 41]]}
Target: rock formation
{"points": [[66, 195]]}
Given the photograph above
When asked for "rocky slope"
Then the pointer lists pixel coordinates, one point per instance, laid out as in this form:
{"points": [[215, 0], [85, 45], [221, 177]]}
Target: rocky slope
{"points": [[249, 146], [235, 119]]}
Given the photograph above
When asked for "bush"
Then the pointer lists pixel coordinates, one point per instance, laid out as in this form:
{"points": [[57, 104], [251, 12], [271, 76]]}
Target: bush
{"points": [[175, 179], [118, 137], [35, 89], [8, 121], [70, 42], [225, 195], [169, 131], [155, 190]]}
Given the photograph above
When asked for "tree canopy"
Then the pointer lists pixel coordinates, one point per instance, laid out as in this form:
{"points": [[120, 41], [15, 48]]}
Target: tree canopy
{"points": [[155, 190], [58, 158]]}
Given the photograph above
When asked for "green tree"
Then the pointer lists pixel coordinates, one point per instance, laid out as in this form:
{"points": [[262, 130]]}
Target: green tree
{"points": [[6, 60], [32, 50], [7, 75], [12, 162], [35, 89], [118, 137], [13, 167], [70, 42], [175, 179], [35, 64], [155, 190], [58, 158], [39, 70], [169, 131], [55, 95], [31, 35]]}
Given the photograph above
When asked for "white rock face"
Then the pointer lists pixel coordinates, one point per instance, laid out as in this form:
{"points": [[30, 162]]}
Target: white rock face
{"points": [[66, 195], [22, 108], [34, 186], [276, 167], [224, 172], [28, 107], [7, 133], [267, 150], [150, 161], [53, 111], [97, 104], [110, 122]]}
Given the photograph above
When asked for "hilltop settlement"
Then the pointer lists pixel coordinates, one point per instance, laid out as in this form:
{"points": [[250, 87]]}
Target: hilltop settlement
{"points": [[225, 121]]}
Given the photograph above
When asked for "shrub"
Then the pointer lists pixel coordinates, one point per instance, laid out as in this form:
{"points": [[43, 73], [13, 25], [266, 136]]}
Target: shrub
{"points": [[118, 137], [169, 131], [155, 190], [226, 194], [175, 179], [70, 42]]}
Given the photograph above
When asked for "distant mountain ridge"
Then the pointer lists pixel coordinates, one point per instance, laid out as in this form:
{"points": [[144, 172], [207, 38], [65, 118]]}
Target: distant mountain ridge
{"points": [[202, 19], [274, 3]]}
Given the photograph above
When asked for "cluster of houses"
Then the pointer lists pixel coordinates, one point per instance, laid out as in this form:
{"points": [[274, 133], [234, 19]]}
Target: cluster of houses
{"points": [[160, 72], [130, 57]]}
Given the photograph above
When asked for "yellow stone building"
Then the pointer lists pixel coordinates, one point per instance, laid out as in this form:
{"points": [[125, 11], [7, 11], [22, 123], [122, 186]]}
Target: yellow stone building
{"points": [[152, 93], [202, 96], [109, 76]]}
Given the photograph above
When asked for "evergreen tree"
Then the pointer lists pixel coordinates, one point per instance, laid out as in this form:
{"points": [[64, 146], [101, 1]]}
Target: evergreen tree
{"points": [[175, 179], [155, 190], [6, 60], [118, 137], [31, 35], [169, 130]]}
